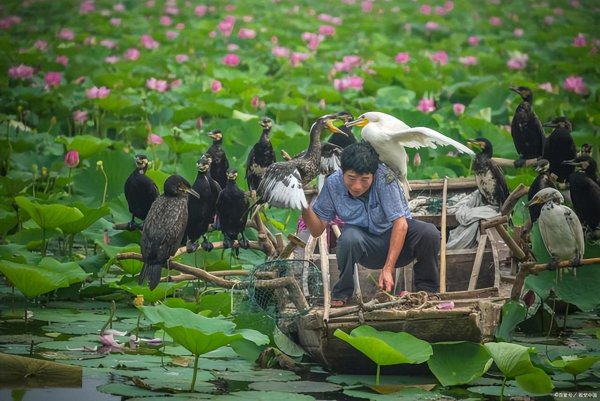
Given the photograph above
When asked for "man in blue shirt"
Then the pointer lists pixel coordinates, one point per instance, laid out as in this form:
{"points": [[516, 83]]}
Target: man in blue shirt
{"points": [[378, 231]]}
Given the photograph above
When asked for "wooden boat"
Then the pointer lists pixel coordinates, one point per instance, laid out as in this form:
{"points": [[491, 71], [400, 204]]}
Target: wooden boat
{"points": [[469, 309]]}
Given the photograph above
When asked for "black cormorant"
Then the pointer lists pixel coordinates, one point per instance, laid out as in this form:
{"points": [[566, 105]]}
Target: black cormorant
{"points": [[164, 228], [140, 192], [202, 211], [526, 129], [585, 150], [585, 191], [560, 147], [282, 183], [260, 157], [220, 164], [232, 212], [543, 180], [488, 175]]}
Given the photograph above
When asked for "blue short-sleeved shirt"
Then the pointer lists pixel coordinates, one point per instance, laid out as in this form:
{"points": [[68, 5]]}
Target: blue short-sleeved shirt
{"points": [[384, 204]]}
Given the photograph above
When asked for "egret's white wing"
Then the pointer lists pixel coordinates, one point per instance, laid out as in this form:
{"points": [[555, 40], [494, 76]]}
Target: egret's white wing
{"points": [[418, 137]]}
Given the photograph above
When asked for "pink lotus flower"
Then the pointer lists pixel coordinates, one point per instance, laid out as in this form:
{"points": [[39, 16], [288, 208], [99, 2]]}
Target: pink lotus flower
{"points": [[115, 21], [473, 40], [546, 86], [41, 45], [63, 60], [148, 42], [80, 117], [439, 10], [548, 20], [97, 93], [87, 7], [296, 58], [366, 6], [154, 139], [347, 64], [518, 32], [439, 57], [21, 71], [255, 102], [468, 60], [180, 26], [171, 35], [181, 58], [312, 40], [245, 33], [349, 82], [417, 160], [109, 44], [279, 51], [458, 109], [402, 58], [580, 40], [216, 86], [232, 47], [225, 27], [111, 59], [119, 7], [518, 61], [326, 30], [52, 79], [247, 18], [231, 60], [165, 20], [175, 83], [66, 34], [574, 83], [158, 85], [432, 26], [8, 22], [200, 10], [425, 9], [72, 159], [132, 54], [322, 104], [426, 105], [495, 21]]}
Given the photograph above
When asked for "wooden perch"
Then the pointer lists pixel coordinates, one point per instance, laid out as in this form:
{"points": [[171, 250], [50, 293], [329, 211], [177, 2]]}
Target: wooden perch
{"points": [[493, 222], [437, 185], [534, 268], [294, 241], [513, 198], [516, 250], [511, 163]]}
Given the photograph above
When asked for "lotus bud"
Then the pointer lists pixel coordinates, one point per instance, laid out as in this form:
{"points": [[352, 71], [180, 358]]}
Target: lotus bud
{"points": [[139, 300], [72, 159]]}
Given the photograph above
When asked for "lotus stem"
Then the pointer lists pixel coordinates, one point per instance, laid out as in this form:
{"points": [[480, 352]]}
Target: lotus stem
{"points": [[502, 388], [377, 374], [196, 359], [100, 166]]}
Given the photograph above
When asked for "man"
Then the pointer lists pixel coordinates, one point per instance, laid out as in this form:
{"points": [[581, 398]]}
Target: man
{"points": [[378, 232]]}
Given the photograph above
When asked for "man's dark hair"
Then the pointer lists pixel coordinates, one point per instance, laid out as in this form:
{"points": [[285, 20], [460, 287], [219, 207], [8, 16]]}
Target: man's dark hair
{"points": [[360, 157]]}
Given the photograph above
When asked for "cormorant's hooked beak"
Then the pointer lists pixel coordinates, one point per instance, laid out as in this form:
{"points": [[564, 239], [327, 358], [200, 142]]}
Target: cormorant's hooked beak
{"points": [[536, 200], [572, 162], [540, 168], [515, 89], [359, 122], [192, 192], [475, 144], [550, 124], [329, 124]]}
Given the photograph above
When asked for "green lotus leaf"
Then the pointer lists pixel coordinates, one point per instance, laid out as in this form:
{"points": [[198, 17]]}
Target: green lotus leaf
{"points": [[458, 363], [512, 359], [49, 216], [535, 381], [87, 145], [513, 313], [90, 216], [574, 365]]}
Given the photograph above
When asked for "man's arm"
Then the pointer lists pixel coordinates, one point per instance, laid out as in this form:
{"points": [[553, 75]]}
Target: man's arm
{"points": [[315, 225], [386, 277]]}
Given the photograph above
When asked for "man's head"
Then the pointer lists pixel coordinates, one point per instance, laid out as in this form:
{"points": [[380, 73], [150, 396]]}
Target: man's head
{"points": [[359, 162]]}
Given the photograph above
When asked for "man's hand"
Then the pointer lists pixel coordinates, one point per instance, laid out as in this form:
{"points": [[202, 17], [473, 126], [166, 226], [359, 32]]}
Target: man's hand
{"points": [[386, 280]]}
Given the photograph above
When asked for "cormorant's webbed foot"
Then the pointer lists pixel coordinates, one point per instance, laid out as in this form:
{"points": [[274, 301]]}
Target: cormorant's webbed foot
{"points": [[227, 242], [553, 264], [207, 245], [132, 226], [191, 247], [576, 262], [244, 243], [520, 162]]}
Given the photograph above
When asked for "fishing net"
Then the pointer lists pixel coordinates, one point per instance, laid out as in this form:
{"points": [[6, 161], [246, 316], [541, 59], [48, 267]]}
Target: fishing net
{"points": [[282, 302]]}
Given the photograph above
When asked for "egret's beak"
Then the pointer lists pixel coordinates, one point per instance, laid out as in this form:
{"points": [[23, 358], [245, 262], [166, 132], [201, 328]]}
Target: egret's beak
{"points": [[359, 122], [329, 124], [192, 192]]}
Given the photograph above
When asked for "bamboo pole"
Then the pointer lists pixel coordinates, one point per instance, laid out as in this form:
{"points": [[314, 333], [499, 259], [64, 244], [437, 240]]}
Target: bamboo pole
{"points": [[324, 259], [516, 250], [443, 243], [477, 264], [511, 163], [513, 198]]}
